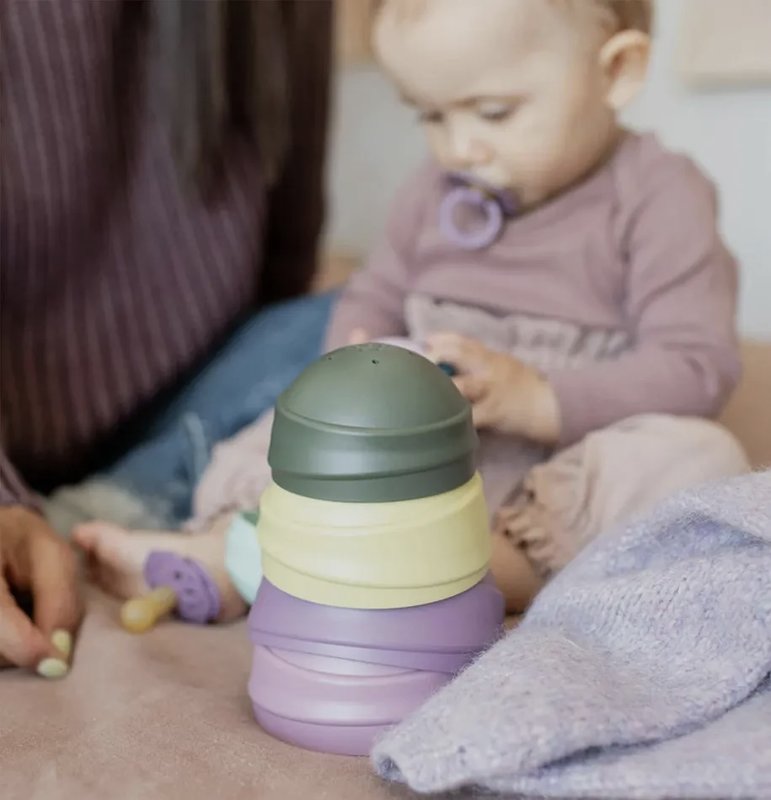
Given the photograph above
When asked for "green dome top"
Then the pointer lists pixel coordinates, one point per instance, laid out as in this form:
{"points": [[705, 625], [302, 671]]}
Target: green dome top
{"points": [[372, 423], [374, 386]]}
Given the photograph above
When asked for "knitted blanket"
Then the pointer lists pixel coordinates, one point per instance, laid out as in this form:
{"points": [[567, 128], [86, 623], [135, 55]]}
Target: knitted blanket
{"points": [[643, 670]]}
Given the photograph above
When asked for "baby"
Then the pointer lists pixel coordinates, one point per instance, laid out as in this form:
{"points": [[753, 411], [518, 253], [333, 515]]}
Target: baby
{"points": [[569, 270]]}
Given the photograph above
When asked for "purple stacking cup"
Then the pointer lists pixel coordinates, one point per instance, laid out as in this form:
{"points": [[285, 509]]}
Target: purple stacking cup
{"points": [[441, 637], [332, 679], [332, 704]]}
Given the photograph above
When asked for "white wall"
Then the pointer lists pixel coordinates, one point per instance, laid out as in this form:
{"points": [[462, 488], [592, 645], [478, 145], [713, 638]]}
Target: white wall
{"points": [[728, 132]]}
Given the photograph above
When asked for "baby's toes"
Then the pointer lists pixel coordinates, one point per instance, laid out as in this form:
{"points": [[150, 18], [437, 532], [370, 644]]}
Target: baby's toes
{"points": [[115, 562], [96, 537]]}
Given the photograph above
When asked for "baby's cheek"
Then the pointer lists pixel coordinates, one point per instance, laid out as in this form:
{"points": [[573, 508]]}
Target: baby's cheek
{"points": [[532, 156], [439, 145]]}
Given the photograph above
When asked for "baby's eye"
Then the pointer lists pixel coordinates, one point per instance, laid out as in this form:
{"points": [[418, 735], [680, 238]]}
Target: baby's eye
{"points": [[430, 117], [495, 112]]}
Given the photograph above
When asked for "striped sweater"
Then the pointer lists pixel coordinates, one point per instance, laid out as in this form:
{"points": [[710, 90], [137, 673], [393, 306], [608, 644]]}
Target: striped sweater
{"points": [[114, 280]]}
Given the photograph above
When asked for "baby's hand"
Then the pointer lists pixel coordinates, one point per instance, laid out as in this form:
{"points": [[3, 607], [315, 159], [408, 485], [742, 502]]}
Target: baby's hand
{"points": [[506, 395]]}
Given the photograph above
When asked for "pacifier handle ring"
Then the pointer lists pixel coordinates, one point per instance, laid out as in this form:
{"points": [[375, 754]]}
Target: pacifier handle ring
{"points": [[477, 239]]}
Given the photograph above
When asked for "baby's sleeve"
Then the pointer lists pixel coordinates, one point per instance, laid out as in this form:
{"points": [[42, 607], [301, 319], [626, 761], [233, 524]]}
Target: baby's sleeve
{"points": [[680, 303], [374, 298]]}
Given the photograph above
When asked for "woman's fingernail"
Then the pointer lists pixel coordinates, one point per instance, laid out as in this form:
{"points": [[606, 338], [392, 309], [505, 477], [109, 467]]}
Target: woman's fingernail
{"points": [[62, 641], [52, 668]]}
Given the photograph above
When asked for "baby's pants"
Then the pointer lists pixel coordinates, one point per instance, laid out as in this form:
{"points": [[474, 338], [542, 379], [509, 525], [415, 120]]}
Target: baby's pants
{"points": [[549, 505]]}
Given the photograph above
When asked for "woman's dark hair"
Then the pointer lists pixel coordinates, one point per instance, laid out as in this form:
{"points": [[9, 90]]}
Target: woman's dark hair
{"points": [[224, 71]]}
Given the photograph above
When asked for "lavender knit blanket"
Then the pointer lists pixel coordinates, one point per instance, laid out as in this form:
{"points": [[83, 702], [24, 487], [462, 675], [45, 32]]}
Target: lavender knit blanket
{"points": [[642, 671]]}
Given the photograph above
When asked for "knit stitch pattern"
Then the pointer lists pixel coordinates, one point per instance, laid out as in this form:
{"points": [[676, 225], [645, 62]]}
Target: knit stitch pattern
{"points": [[643, 670]]}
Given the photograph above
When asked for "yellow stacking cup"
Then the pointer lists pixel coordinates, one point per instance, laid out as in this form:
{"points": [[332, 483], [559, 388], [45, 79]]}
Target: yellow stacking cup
{"points": [[375, 555]]}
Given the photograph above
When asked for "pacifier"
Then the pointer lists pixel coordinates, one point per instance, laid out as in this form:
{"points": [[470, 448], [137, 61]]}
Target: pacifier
{"points": [[492, 205], [177, 584]]}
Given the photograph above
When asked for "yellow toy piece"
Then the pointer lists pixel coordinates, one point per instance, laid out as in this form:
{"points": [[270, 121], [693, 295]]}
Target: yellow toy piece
{"points": [[375, 555], [141, 613]]}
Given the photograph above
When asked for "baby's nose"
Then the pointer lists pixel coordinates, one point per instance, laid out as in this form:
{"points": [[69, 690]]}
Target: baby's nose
{"points": [[470, 153]]}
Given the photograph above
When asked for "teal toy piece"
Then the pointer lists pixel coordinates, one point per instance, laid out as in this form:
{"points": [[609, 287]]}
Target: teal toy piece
{"points": [[243, 557]]}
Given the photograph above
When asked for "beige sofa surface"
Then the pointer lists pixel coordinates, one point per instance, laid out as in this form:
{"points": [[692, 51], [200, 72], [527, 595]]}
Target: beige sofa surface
{"points": [[165, 716]]}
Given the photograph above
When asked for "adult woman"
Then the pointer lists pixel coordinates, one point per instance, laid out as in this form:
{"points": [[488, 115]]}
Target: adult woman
{"points": [[161, 181]]}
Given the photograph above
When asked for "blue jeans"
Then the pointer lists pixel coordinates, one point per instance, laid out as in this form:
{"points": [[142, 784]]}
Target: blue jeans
{"points": [[240, 382]]}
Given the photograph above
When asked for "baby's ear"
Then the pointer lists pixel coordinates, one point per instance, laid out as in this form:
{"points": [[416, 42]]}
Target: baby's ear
{"points": [[624, 62]]}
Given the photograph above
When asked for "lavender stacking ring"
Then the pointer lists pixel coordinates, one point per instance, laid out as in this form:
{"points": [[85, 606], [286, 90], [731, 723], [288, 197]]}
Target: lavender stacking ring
{"points": [[330, 704], [441, 636], [447, 663], [331, 679], [198, 598]]}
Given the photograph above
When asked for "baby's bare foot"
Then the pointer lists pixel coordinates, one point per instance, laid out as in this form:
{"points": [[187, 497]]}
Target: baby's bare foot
{"points": [[116, 558]]}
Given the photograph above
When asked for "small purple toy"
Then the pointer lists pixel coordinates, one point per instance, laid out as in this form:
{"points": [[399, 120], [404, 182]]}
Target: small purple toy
{"points": [[468, 194], [176, 584]]}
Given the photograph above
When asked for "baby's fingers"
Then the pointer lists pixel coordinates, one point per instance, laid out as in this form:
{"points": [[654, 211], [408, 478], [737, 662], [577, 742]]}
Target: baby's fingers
{"points": [[472, 387], [466, 355], [488, 412]]}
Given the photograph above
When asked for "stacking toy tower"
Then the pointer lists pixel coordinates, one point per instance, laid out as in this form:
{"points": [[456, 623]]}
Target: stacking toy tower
{"points": [[375, 550]]}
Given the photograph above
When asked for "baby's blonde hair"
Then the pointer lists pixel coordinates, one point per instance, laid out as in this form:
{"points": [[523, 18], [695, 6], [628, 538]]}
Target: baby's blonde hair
{"points": [[623, 14], [633, 15]]}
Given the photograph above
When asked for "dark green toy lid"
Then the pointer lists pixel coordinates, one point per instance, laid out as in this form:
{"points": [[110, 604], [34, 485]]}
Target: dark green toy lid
{"points": [[372, 423]]}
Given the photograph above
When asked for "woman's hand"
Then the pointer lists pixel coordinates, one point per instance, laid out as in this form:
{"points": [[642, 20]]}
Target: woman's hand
{"points": [[506, 395], [34, 560]]}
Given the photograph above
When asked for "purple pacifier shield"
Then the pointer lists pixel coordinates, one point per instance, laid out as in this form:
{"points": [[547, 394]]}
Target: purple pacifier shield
{"points": [[506, 198], [476, 238], [489, 202], [198, 598]]}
